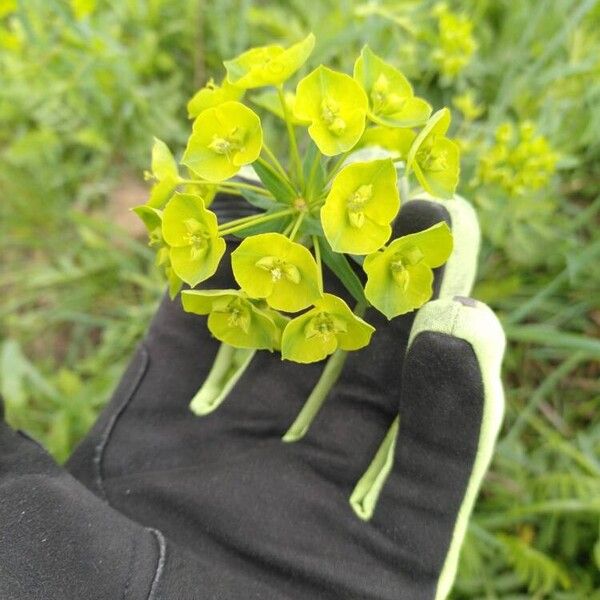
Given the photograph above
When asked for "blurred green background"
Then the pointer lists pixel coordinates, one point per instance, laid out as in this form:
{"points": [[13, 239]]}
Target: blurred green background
{"points": [[85, 84]]}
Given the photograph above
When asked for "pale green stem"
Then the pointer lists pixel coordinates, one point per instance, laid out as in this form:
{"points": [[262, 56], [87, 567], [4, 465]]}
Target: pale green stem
{"points": [[239, 221], [311, 176], [317, 248], [275, 163], [245, 186], [256, 221], [331, 373], [296, 226], [284, 180], [228, 366], [292, 135]]}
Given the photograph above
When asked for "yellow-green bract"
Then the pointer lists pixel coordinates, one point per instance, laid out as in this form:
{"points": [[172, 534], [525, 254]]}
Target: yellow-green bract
{"points": [[268, 65], [272, 267], [391, 98], [319, 332], [224, 138], [335, 107], [212, 95], [191, 231], [360, 206], [434, 158], [400, 277], [235, 320]]}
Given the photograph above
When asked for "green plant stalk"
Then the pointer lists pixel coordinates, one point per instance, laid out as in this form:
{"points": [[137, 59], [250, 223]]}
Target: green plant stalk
{"points": [[331, 373], [228, 366], [255, 221], [245, 186], [296, 227], [292, 136], [283, 178], [276, 164]]}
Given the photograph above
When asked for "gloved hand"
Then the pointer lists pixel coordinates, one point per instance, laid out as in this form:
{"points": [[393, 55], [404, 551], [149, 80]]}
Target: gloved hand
{"points": [[359, 508]]}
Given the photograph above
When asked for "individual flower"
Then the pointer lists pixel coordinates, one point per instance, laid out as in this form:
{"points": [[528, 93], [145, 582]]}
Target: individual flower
{"points": [[434, 158], [212, 95], [400, 277], [335, 106], [268, 65], [224, 138], [319, 332], [272, 267], [234, 319], [152, 219], [392, 101], [164, 172], [191, 231], [361, 204]]}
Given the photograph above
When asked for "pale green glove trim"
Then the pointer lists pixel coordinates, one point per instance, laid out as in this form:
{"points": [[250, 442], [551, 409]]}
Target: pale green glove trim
{"points": [[458, 279], [367, 490], [461, 267], [475, 323], [229, 365]]}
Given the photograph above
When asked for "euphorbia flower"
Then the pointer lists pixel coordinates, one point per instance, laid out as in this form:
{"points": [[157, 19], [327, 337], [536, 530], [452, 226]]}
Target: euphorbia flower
{"points": [[335, 106], [329, 325], [191, 231], [224, 138], [360, 206], [272, 267], [212, 95], [164, 172], [392, 101], [268, 65], [400, 277], [234, 319], [152, 219], [434, 158]]}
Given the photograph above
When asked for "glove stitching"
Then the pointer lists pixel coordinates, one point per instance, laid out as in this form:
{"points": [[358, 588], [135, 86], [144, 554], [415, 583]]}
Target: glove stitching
{"points": [[160, 566], [105, 437]]}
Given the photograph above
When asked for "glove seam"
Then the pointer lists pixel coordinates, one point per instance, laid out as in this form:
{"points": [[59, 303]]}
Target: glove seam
{"points": [[160, 565], [102, 445]]}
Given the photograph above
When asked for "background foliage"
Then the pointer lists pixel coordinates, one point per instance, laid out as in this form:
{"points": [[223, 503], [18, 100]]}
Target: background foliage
{"points": [[86, 84]]}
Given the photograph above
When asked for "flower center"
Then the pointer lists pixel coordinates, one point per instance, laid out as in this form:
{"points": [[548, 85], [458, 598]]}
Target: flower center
{"points": [[279, 269], [323, 326], [330, 114], [228, 144], [197, 238], [432, 159], [355, 205], [400, 263], [382, 98], [239, 315]]}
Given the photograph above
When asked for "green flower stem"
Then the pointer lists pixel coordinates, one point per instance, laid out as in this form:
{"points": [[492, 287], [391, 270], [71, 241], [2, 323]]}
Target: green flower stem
{"points": [[331, 373], [296, 226], [292, 135], [284, 180], [255, 221], [238, 185], [235, 222], [317, 247], [228, 366], [275, 163]]}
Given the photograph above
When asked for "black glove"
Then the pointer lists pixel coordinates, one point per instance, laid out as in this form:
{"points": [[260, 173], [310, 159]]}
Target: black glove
{"points": [[229, 511]]}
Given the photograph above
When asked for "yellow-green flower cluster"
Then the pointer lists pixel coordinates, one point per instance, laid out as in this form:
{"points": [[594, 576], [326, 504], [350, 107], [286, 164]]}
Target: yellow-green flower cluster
{"points": [[455, 44], [316, 210], [520, 161]]}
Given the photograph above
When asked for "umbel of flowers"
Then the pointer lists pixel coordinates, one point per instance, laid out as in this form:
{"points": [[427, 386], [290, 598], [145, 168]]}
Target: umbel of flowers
{"points": [[319, 206]]}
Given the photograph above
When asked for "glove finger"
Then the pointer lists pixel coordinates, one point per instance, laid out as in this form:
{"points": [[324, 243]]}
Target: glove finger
{"points": [[450, 413], [364, 402]]}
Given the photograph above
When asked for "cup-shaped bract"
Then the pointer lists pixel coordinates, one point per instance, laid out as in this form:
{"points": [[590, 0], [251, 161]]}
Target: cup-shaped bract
{"points": [[268, 65], [320, 331], [395, 140], [360, 206], [400, 277], [392, 101], [234, 319], [212, 95], [224, 138], [335, 107], [191, 231], [434, 158], [272, 267]]}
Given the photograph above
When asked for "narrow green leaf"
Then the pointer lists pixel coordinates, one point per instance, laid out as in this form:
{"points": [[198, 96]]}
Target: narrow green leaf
{"points": [[259, 201], [339, 264], [274, 183]]}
